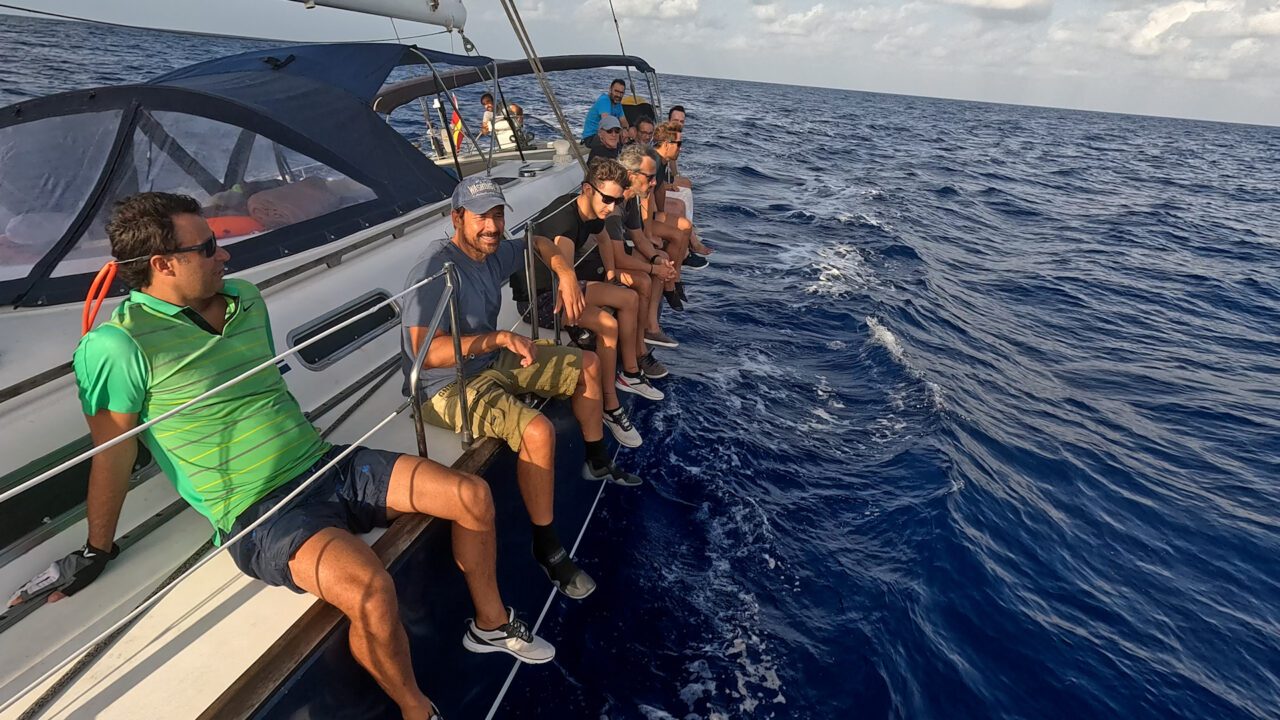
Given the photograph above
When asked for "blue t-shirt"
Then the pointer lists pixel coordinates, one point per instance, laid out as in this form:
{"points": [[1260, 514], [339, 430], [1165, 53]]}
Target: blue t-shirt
{"points": [[479, 299], [603, 105]]}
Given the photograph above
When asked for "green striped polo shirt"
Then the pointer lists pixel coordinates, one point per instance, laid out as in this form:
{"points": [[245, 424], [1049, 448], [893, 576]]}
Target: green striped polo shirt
{"points": [[226, 452]]}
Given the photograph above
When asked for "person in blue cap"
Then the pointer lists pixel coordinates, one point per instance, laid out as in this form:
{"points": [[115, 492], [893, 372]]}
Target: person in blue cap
{"points": [[500, 365]]}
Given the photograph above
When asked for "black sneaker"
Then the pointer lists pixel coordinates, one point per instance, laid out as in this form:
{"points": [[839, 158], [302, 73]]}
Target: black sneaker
{"points": [[673, 299], [610, 473], [680, 291], [565, 574], [695, 262]]}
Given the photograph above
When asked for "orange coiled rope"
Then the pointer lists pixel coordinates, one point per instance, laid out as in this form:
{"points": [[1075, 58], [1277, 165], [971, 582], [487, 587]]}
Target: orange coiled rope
{"points": [[97, 295]]}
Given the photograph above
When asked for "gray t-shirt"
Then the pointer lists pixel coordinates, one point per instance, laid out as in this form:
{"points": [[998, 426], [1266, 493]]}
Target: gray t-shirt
{"points": [[479, 299]]}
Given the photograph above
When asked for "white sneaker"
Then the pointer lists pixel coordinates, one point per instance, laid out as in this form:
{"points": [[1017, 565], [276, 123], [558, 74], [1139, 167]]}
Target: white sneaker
{"points": [[620, 425], [513, 637], [638, 385]]}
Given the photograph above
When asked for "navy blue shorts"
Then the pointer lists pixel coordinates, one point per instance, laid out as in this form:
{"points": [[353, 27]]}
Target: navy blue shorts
{"points": [[351, 495]]}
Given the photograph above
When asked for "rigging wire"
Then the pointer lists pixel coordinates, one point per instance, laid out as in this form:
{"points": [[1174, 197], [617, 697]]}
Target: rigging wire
{"points": [[526, 43], [127, 26], [618, 29]]}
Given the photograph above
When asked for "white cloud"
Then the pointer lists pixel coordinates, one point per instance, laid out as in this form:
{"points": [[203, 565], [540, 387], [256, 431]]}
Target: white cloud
{"points": [[1151, 39]]}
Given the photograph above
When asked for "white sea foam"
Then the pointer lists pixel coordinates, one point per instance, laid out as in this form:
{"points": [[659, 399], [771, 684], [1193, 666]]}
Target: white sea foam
{"points": [[882, 336]]}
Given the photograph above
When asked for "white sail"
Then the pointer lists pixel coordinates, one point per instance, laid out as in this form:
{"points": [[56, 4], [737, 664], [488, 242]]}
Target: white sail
{"points": [[444, 13]]}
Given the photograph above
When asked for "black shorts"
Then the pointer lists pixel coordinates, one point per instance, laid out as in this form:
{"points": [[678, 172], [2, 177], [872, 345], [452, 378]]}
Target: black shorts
{"points": [[547, 305], [351, 495]]}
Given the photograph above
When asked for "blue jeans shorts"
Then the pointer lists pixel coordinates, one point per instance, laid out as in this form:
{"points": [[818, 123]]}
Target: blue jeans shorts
{"points": [[351, 495]]}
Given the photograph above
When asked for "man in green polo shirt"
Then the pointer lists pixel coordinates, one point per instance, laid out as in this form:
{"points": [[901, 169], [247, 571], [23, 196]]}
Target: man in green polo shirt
{"points": [[185, 330]]}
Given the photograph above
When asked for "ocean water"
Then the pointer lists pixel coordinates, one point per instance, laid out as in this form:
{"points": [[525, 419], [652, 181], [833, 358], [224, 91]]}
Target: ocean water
{"points": [[976, 413]]}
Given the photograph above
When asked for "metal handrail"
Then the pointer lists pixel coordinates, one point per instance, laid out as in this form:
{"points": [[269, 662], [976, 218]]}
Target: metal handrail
{"points": [[139, 429], [448, 300]]}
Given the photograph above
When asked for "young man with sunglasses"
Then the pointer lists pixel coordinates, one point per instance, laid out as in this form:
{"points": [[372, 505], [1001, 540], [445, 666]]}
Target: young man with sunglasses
{"points": [[606, 143], [674, 189], [185, 329], [575, 222]]}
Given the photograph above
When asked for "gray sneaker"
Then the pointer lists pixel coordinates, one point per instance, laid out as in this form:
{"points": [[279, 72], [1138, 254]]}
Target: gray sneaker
{"points": [[660, 339], [639, 385], [620, 425], [652, 369], [512, 637], [610, 473]]}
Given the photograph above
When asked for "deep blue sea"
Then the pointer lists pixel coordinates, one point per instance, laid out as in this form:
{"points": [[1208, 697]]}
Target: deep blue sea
{"points": [[976, 412]]}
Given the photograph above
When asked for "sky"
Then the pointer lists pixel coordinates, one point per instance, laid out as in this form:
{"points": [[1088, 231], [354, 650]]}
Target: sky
{"points": [[1207, 59]]}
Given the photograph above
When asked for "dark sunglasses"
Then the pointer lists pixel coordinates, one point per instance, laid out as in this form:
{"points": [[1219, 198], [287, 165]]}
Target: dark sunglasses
{"points": [[208, 248], [647, 176], [614, 131], [608, 199]]}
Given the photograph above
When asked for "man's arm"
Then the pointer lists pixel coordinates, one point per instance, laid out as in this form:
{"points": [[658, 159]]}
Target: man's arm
{"points": [[440, 354], [558, 256], [605, 243], [109, 473], [655, 261]]}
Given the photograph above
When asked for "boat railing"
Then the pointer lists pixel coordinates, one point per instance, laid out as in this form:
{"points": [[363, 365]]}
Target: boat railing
{"points": [[448, 300]]}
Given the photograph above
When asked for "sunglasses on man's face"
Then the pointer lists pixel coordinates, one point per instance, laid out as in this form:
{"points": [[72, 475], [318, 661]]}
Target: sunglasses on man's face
{"points": [[647, 176], [607, 199], [613, 131], [208, 248]]}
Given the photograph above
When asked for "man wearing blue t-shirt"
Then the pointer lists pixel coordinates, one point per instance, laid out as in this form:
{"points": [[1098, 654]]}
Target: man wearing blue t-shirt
{"points": [[609, 103]]}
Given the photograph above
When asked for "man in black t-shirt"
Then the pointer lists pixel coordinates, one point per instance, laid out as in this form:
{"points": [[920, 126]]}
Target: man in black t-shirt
{"points": [[607, 142], [575, 223]]}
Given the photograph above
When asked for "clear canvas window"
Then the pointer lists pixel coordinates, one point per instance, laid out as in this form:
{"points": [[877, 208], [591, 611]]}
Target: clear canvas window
{"points": [[247, 184], [48, 168]]}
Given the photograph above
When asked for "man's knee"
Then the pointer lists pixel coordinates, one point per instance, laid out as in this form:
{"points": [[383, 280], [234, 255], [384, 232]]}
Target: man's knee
{"points": [[539, 435], [590, 362], [477, 500]]}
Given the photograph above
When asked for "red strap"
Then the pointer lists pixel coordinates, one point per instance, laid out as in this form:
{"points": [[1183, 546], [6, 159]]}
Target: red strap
{"points": [[97, 295]]}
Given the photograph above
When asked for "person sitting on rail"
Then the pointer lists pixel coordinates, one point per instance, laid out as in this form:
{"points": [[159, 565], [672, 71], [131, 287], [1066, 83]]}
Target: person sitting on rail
{"points": [[235, 456], [674, 231], [607, 142], [486, 122], [636, 254], [698, 251], [609, 103], [575, 222], [502, 364], [644, 131]]}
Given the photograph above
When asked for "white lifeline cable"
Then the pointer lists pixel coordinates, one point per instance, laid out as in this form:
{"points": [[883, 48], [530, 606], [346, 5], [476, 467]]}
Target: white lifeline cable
{"points": [[203, 561], [493, 710], [19, 489]]}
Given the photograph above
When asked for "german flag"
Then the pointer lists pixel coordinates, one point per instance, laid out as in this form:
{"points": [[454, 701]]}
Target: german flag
{"points": [[455, 124]]}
